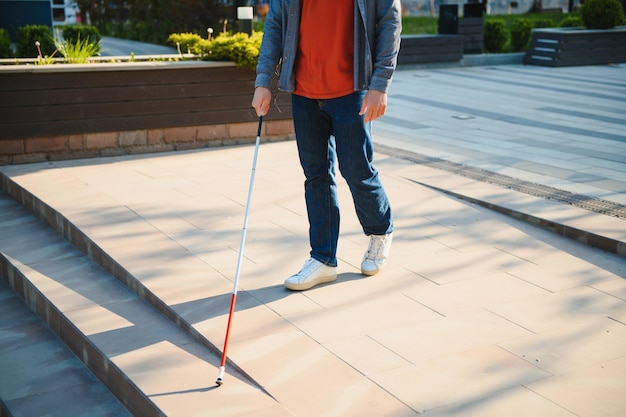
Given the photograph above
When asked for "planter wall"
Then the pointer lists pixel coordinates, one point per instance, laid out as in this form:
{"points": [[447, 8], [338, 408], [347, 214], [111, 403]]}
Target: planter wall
{"points": [[426, 49], [75, 111], [574, 46]]}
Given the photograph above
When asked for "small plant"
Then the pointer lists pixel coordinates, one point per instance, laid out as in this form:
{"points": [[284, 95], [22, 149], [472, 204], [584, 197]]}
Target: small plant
{"points": [[27, 36], [5, 44], [74, 33], [43, 59], [602, 14], [521, 32], [79, 51], [571, 22], [495, 35]]}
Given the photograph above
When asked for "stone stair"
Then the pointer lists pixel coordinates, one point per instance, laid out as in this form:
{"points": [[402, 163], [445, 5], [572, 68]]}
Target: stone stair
{"points": [[40, 375], [135, 350]]}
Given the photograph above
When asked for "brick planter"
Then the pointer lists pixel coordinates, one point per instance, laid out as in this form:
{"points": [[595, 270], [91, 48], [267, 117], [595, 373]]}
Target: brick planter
{"points": [[559, 47], [68, 111]]}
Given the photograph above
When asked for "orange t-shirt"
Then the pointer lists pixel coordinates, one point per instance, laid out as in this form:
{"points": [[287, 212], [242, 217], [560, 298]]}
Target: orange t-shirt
{"points": [[324, 66]]}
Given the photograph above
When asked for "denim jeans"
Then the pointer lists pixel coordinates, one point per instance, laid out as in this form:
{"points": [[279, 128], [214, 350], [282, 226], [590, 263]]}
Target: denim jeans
{"points": [[331, 133]]}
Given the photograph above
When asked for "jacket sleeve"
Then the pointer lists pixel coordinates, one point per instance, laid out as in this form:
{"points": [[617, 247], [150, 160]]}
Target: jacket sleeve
{"points": [[386, 43], [271, 45]]}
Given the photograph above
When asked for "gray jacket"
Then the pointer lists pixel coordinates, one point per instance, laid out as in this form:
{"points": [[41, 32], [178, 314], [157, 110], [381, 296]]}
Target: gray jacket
{"points": [[377, 27]]}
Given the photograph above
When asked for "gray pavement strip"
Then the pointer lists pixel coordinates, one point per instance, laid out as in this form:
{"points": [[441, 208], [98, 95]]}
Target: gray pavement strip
{"points": [[541, 86], [561, 76], [596, 205], [512, 119], [584, 115]]}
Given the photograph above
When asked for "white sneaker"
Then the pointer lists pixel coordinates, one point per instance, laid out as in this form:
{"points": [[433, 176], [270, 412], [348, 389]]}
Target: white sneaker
{"points": [[377, 254], [313, 273]]}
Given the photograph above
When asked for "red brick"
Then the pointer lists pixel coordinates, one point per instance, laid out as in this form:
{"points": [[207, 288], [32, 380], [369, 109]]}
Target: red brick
{"points": [[243, 130], [51, 144], [11, 147], [77, 142], [179, 134], [212, 132], [155, 136], [280, 128], [133, 138], [101, 140]]}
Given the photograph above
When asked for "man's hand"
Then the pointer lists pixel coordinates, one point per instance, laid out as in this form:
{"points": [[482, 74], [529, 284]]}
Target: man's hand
{"points": [[262, 100], [374, 105]]}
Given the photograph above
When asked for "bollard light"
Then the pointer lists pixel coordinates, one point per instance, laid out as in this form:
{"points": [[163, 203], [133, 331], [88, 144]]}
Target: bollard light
{"points": [[245, 15]]}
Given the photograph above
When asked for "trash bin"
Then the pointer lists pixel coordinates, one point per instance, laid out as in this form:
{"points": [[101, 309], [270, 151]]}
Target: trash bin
{"points": [[473, 9], [448, 19]]}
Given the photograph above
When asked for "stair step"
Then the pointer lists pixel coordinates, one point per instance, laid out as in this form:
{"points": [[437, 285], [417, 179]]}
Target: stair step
{"points": [[40, 375], [151, 365]]}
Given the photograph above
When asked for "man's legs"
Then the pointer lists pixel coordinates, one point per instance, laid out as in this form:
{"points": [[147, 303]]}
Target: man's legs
{"points": [[355, 154], [316, 149], [326, 130]]}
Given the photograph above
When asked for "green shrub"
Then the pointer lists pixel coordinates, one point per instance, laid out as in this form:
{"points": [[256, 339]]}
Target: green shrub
{"points": [[495, 35], [186, 42], [543, 23], [602, 14], [5, 44], [85, 32], [240, 48], [27, 36], [571, 22], [521, 32]]}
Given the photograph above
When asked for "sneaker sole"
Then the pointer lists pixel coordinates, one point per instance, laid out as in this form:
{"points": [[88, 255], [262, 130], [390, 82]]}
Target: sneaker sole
{"points": [[370, 273], [373, 272], [310, 284]]}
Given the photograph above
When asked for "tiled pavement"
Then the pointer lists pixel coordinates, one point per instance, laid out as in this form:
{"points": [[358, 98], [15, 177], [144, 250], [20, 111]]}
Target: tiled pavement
{"points": [[483, 309]]}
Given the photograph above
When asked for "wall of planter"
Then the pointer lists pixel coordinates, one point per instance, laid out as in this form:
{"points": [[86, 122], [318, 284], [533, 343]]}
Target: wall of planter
{"points": [[74, 111]]}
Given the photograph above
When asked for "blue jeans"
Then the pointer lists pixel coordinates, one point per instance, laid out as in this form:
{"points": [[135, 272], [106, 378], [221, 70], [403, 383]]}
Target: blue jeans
{"points": [[330, 132]]}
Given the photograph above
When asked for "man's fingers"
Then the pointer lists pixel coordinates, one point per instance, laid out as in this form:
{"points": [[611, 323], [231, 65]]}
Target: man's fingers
{"points": [[261, 100]]}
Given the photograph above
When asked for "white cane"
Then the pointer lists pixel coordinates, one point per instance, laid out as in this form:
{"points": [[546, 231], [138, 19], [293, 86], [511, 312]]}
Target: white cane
{"points": [[233, 300]]}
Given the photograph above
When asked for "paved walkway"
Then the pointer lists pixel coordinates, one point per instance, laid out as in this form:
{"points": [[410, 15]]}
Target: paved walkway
{"points": [[123, 47], [478, 313]]}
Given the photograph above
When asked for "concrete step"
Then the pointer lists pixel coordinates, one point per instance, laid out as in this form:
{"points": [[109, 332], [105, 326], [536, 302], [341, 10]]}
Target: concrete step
{"points": [[40, 375], [151, 365]]}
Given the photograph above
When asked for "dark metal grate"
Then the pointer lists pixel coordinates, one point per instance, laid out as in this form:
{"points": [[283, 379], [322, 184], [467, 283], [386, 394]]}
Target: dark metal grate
{"points": [[596, 205]]}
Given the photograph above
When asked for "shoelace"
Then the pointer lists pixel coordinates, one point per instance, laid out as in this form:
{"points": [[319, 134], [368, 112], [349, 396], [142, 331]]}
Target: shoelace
{"points": [[308, 266], [374, 248]]}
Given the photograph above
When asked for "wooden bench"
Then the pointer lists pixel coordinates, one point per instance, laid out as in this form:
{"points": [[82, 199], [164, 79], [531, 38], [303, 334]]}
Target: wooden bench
{"points": [[423, 49]]}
